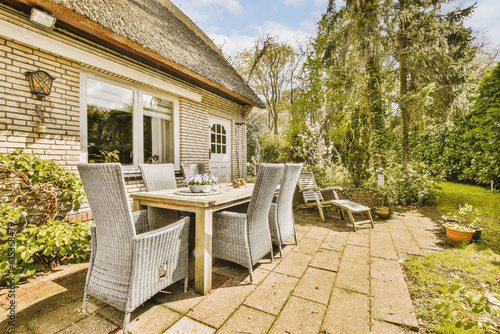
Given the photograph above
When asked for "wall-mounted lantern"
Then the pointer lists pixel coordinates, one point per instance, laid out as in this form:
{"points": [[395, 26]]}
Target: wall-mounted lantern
{"points": [[40, 85], [43, 19]]}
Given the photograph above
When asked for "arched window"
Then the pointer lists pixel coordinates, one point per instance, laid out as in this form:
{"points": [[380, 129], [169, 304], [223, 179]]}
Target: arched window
{"points": [[218, 139]]}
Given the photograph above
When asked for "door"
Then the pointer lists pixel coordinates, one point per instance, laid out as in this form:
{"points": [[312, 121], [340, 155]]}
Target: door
{"points": [[220, 149]]}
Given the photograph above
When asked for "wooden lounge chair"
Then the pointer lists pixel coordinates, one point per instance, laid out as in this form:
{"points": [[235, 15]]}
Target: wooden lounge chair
{"points": [[312, 195]]}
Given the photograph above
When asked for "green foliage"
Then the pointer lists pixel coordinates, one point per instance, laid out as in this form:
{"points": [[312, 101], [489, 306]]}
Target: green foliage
{"points": [[47, 189], [470, 150], [327, 176], [274, 149], [471, 308], [41, 247], [357, 156]]}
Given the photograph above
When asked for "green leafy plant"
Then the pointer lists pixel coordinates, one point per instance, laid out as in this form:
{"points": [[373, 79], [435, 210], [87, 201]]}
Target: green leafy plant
{"points": [[471, 308], [467, 219], [45, 246], [46, 189]]}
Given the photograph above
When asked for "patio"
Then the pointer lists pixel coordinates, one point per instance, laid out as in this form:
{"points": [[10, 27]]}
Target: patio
{"points": [[334, 281]]}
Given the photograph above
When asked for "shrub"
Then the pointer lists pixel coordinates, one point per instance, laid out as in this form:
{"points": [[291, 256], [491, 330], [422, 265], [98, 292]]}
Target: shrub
{"points": [[327, 176], [46, 189], [412, 184], [45, 246]]}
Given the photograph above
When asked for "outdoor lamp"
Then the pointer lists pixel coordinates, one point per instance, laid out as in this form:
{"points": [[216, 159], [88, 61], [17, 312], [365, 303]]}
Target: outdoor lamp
{"points": [[43, 19], [40, 83]]}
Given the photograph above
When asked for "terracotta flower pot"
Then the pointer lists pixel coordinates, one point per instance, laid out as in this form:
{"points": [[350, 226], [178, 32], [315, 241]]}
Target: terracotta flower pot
{"points": [[383, 212], [455, 236]]}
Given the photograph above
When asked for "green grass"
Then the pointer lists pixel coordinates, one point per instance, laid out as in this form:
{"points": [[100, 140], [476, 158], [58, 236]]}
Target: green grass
{"points": [[431, 276]]}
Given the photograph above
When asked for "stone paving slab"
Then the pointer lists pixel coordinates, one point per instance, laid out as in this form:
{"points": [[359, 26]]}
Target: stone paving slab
{"points": [[361, 238], [247, 320], [225, 300], [299, 316], [96, 325], [404, 242], [272, 294], [356, 254], [294, 264], [381, 245], [316, 285], [326, 259], [353, 276], [189, 326], [348, 312]]}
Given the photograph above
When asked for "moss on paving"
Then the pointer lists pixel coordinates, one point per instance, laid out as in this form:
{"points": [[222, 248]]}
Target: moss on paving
{"points": [[431, 276]]}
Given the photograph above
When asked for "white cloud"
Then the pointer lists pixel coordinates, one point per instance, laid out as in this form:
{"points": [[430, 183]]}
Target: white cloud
{"points": [[205, 10], [293, 3], [485, 18], [237, 42]]}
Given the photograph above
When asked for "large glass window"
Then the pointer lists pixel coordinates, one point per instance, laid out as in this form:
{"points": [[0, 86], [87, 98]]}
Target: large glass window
{"points": [[109, 122], [158, 129], [126, 125]]}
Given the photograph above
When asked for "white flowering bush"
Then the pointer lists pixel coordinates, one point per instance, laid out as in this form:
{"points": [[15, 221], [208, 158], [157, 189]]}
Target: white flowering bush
{"points": [[205, 179], [313, 147]]}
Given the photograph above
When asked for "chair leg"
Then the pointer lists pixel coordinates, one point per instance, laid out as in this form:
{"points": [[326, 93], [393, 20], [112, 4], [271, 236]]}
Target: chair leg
{"points": [[85, 302], [186, 284], [281, 250], [251, 274], [352, 220], [296, 239], [341, 213], [126, 320], [272, 255], [321, 214], [371, 218]]}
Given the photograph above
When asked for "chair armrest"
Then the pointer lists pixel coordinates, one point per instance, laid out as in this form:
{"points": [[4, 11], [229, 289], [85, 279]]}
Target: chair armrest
{"points": [[232, 222], [158, 233], [140, 221], [312, 188], [334, 188]]}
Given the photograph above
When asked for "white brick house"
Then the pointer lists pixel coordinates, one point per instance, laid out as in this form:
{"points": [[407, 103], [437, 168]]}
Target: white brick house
{"points": [[139, 79]]}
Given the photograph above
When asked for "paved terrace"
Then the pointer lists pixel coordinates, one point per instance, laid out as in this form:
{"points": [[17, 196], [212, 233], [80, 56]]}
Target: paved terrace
{"points": [[334, 281]]}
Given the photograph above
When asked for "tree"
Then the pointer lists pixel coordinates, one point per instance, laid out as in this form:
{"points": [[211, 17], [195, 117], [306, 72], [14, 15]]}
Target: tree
{"points": [[269, 68]]}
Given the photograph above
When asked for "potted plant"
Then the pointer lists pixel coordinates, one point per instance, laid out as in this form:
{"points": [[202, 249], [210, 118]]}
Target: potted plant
{"points": [[384, 194], [201, 183], [461, 226]]}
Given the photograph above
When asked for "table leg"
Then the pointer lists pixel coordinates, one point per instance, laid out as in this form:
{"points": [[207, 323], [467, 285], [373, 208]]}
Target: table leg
{"points": [[203, 251], [137, 205]]}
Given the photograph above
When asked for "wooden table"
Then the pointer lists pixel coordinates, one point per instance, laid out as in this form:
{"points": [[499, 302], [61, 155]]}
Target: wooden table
{"points": [[203, 207]]}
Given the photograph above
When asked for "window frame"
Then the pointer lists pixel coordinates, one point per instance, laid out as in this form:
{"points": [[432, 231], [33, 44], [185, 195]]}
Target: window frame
{"points": [[137, 119]]}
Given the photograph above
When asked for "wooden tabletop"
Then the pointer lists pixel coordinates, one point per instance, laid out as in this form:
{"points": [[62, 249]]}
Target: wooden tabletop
{"points": [[229, 194]]}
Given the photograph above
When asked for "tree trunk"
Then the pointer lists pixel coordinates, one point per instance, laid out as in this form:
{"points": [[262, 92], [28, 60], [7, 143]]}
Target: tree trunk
{"points": [[403, 83]]}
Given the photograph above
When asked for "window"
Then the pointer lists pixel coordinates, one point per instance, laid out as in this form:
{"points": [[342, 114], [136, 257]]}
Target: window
{"points": [[218, 139], [123, 124]]}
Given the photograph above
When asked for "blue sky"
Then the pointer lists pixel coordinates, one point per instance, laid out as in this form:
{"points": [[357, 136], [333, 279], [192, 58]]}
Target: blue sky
{"points": [[236, 23]]}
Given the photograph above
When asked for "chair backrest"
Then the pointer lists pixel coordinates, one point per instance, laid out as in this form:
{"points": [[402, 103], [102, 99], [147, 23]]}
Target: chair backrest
{"points": [[306, 180], [158, 176], [107, 196], [266, 182], [285, 195], [192, 169]]}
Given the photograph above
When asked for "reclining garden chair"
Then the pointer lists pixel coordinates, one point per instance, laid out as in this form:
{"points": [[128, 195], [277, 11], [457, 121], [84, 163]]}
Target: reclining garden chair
{"points": [[313, 196]]}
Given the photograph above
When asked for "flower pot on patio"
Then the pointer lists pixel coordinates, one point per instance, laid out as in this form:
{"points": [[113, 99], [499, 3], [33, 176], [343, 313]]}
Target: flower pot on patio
{"points": [[477, 235], [383, 212], [457, 236]]}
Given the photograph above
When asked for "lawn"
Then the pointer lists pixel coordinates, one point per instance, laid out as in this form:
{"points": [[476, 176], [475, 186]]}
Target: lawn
{"points": [[431, 277]]}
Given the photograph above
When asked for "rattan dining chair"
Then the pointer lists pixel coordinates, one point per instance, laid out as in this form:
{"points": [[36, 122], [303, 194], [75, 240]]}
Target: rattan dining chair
{"points": [[281, 222], [159, 177], [192, 169], [245, 238], [129, 263]]}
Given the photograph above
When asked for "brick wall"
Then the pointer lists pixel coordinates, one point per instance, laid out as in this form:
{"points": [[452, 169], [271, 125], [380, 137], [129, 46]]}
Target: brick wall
{"points": [[61, 142]]}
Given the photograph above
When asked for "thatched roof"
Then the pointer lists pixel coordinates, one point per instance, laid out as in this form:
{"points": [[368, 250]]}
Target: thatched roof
{"points": [[157, 26]]}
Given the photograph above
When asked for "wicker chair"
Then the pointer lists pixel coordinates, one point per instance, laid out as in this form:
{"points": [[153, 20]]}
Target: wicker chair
{"points": [[281, 222], [128, 263], [192, 169], [245, 238], [159, 177]]}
